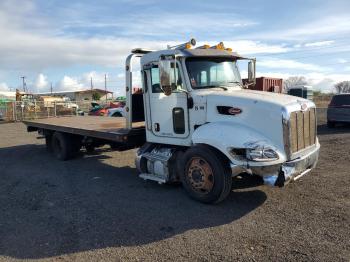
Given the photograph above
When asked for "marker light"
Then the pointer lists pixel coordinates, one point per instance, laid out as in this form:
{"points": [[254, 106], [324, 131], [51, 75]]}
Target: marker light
{"points": [[203, 47], [219, 46], [229, 49]]}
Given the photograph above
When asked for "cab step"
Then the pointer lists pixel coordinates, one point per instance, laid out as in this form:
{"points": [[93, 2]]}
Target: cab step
{"points": [[152, 177]]}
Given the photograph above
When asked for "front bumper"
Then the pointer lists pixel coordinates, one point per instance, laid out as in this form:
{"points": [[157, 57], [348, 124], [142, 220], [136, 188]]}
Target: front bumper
{"points": [[281, 174]]}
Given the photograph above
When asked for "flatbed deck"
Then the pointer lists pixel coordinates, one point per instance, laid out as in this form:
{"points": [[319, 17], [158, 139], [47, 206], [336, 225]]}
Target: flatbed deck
{"points": [[107, 128]]}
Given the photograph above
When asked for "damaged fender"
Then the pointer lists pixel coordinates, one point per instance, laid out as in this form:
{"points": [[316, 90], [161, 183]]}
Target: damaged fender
{"points": [[225, 136]]}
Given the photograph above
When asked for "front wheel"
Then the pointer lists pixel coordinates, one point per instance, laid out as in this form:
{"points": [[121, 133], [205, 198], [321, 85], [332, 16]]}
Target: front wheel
{"points": [[206, 175]]}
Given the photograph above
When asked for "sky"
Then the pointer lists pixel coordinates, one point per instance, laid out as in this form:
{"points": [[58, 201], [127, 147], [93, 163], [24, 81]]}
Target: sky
{"points": [[67, 43]]}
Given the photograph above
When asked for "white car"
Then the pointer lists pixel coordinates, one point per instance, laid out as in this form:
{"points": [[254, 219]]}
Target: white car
{"points": [[116, 112]]}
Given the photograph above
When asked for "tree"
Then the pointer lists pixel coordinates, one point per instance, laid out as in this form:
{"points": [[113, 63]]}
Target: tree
{"points": [[96, 96], [342, 87], [294, 81]]}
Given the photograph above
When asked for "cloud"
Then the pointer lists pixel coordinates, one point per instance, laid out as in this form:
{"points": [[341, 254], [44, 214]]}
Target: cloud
{"points": [[83, 82], [164, 25], [24, 51], [333, 25], [290, 64], [326, 26], [342, 60], [254, 47], [320, 43], [68, 84], [41, 83], [37, 39], [48, 44], [4, 87]]}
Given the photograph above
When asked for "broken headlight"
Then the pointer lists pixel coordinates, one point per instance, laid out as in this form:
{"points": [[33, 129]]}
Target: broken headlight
{"points": [[261, 154]]}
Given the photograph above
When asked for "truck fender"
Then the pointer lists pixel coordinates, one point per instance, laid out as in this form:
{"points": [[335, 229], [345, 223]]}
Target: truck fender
{"points": [[225, 135]]}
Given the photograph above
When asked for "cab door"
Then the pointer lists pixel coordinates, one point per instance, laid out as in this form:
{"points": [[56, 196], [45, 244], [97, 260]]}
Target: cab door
{"points": [[168, 113]]}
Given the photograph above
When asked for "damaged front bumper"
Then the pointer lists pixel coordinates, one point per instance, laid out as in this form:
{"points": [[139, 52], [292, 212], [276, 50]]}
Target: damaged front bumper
{"points": [[281, 174]]}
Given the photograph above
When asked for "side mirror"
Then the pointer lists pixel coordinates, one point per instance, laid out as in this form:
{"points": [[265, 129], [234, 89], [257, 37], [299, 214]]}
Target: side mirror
{"points": [[165, 75], [251, 72]]}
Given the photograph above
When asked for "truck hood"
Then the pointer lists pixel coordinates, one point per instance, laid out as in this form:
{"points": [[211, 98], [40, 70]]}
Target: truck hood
{"points": [[260, 112], [255, 96]]}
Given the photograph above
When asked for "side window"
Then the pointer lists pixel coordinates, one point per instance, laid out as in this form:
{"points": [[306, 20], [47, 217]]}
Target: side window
{"points": [[179, 84], [204, 78], [156, 82], [155, 79]]}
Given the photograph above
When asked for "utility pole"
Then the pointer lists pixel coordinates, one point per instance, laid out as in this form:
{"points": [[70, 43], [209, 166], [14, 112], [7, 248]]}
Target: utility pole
{"points": [[51, 88], [106, 86], [24, 85], [91, 85]]}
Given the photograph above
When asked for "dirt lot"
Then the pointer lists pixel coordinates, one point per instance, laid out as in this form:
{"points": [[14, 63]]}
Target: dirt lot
{"points": [[96, 208]]}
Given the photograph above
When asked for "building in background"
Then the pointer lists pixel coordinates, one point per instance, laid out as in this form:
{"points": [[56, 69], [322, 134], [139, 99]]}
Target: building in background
{"points": [[80, 95], [8, 95]]}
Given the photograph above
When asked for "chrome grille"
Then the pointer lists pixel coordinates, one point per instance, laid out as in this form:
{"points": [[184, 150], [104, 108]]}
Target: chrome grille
{"points": [[302, 129]]}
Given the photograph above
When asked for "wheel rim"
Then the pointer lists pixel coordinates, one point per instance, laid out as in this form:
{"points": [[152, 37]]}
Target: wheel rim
{"points": [[200, 175]]}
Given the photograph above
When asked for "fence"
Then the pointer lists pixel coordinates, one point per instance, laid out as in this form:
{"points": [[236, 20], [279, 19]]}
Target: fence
{"points": [[24, 110]]}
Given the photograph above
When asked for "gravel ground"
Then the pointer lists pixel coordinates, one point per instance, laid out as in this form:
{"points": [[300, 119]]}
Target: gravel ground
{"points": [[96, 208]]}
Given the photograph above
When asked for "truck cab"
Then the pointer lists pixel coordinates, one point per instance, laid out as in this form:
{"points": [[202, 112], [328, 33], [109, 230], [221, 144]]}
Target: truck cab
{"points": [[204, 126]]}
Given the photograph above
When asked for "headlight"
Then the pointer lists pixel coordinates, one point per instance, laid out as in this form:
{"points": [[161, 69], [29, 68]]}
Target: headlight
{"points": [[261, 154]]}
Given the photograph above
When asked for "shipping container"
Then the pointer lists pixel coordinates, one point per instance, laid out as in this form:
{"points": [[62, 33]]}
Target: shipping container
{"points": [[301, 91], [267, 84]]}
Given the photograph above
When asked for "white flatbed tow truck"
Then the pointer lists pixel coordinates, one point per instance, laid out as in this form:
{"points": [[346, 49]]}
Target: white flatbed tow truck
{"points": [[196, 123]]}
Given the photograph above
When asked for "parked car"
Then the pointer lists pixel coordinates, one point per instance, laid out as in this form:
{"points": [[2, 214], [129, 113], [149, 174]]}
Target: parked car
{"points": [[97, 110], [338, 110], [116, 112]]}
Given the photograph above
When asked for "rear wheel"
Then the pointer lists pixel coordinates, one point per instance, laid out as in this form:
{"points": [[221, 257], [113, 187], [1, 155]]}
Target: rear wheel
{"points": [[206, 175], [61, 146], [90, 148], [48, 142]]}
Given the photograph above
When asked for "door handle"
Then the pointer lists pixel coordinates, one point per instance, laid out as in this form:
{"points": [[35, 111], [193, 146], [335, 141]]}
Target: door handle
{"points": [[156, 127]]}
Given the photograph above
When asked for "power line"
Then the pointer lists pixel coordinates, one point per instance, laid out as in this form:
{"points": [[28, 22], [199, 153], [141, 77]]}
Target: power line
{"points": [[24, 85]]}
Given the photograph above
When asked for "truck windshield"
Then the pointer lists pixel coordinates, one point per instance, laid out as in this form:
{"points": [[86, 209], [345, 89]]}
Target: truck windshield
{"points": [[211, 72]]}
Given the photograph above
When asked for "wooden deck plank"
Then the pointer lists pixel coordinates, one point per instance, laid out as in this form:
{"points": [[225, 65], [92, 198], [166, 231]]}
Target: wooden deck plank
{"points": [[110, 128]]}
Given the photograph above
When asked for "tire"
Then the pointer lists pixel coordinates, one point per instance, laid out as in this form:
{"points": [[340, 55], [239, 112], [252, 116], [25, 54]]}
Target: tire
{"points": [[61, 146], [206, 175], [117, 114], [330, 124], [48, 143], [90, 149], [76, 145]]}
